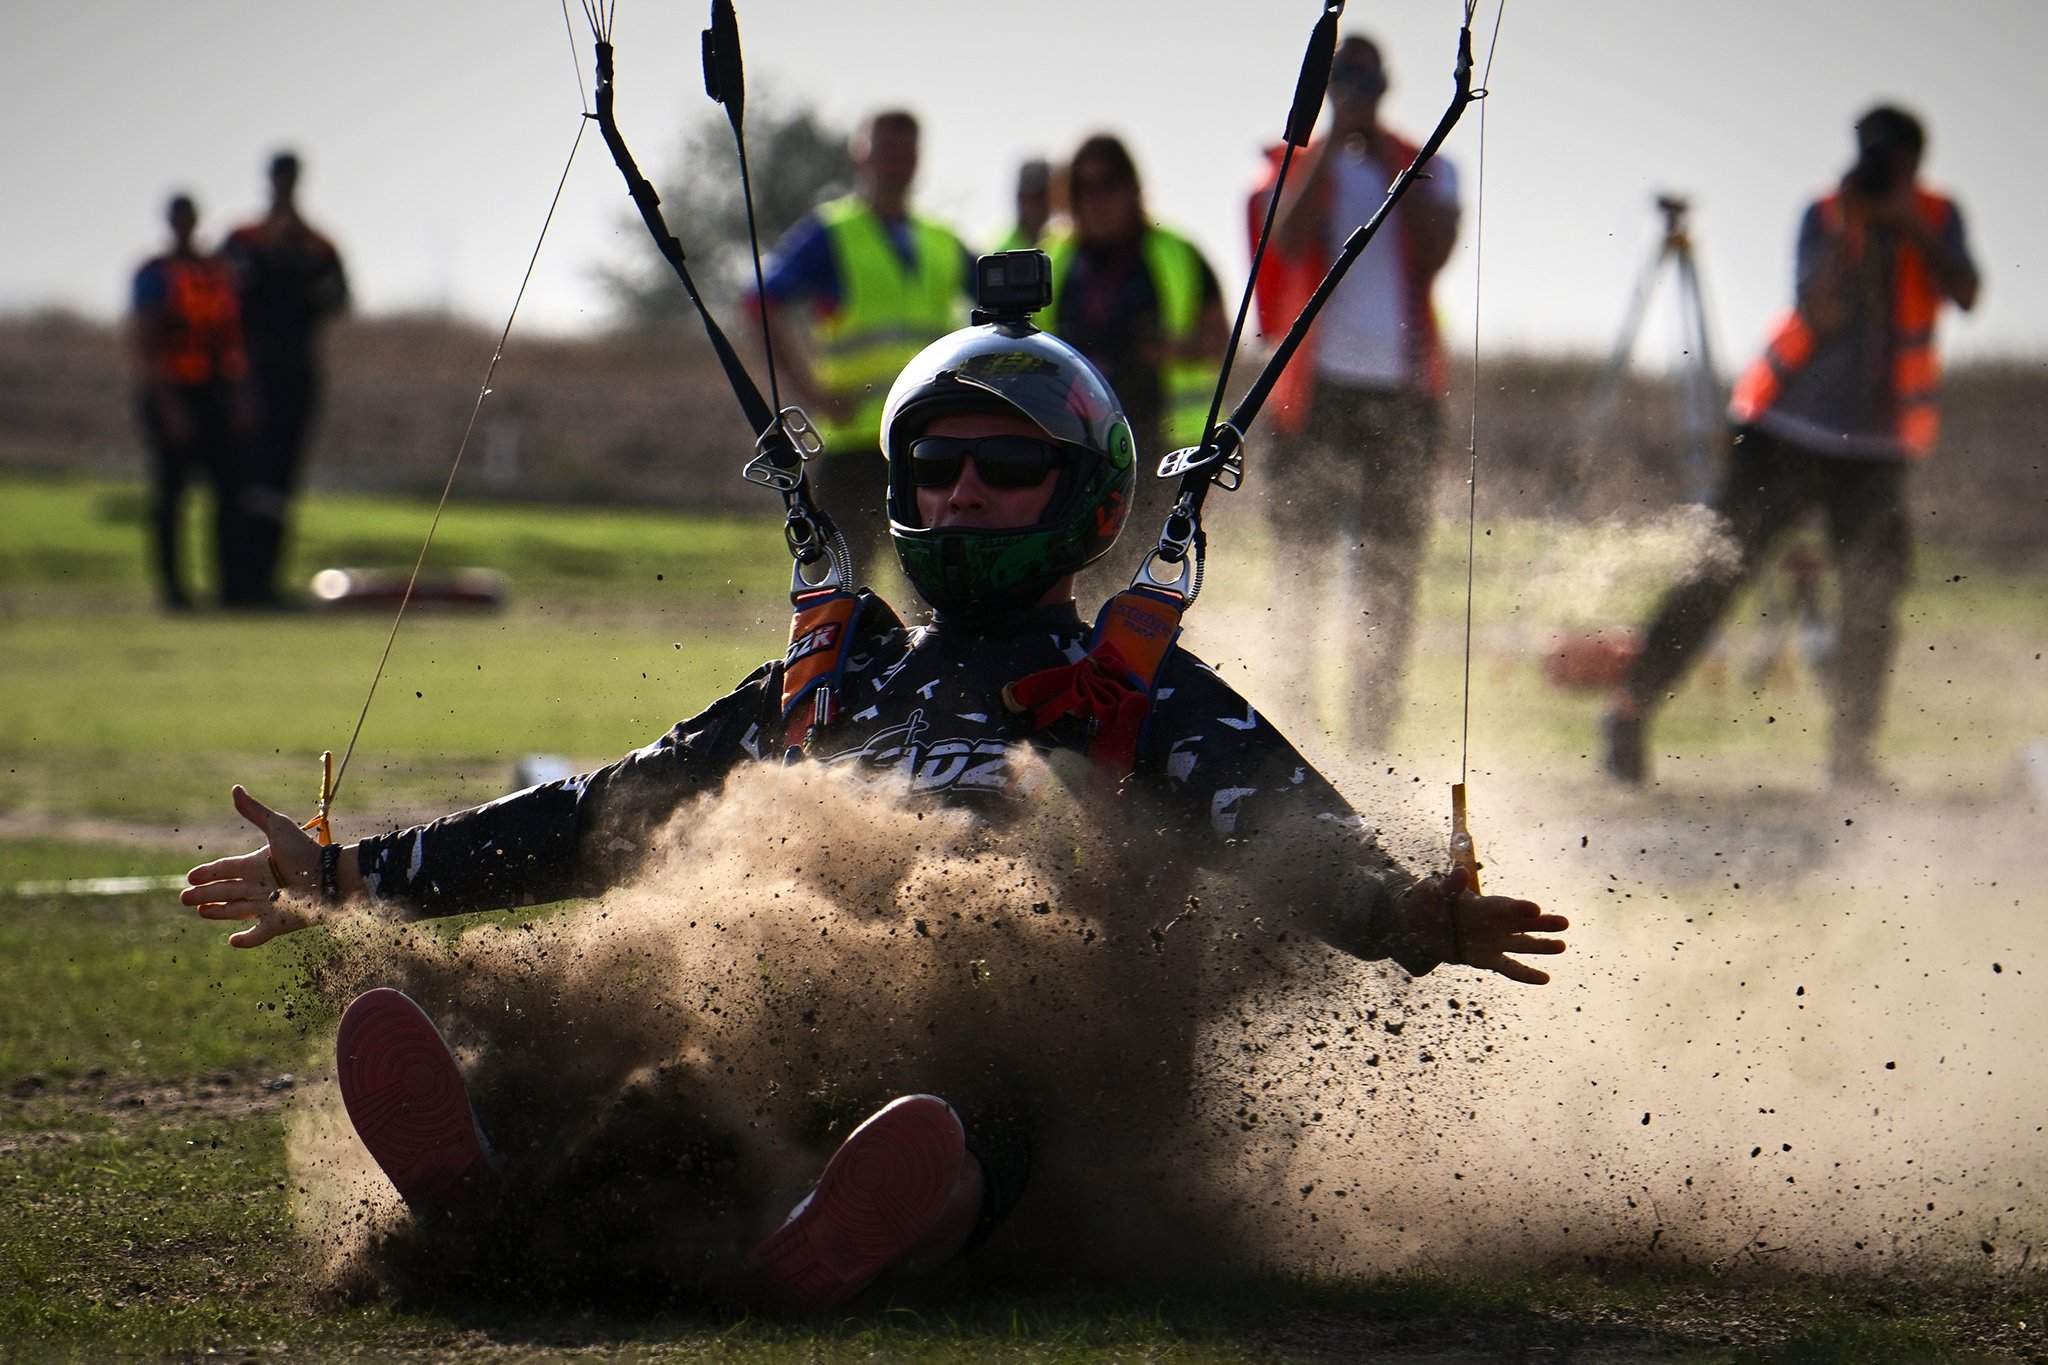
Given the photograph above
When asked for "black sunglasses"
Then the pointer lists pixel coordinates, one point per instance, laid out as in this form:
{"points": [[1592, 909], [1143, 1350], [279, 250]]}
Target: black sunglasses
{"points": [[999, 461], [1084, 185]]}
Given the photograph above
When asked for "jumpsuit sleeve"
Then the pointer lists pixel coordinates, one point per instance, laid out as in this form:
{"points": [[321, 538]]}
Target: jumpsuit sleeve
{"points": [[1267, 810], [574, 837]]}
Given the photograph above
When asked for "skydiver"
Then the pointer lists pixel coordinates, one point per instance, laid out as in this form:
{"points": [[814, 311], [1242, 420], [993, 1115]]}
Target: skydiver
{"points": [[1009, 465]]}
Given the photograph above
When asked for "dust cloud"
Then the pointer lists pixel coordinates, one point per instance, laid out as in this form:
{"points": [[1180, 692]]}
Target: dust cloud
{"points": [[1580, 571], [1795, 1032], [661, 1072]]}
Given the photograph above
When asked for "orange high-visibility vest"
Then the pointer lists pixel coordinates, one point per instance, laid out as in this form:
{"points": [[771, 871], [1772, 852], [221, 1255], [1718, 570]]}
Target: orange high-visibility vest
{"points": [[201, 340], [1287, 279], [1916, 369]]}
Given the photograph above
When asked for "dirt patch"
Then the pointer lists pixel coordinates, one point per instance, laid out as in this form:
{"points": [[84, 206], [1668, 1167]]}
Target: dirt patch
{"points": [[50, 1110]]}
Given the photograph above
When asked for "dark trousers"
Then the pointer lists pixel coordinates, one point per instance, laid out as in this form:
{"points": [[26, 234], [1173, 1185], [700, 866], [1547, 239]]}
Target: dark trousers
{"points": [[203, 451], [1772, 484], [1349, 505], [288, 398]]}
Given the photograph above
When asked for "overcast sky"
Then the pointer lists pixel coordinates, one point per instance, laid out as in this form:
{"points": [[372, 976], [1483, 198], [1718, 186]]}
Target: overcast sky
{"points": [[433, 131]]}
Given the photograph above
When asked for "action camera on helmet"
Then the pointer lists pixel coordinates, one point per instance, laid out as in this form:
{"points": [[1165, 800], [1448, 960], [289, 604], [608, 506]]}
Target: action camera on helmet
{"points": [[1009, 286]]}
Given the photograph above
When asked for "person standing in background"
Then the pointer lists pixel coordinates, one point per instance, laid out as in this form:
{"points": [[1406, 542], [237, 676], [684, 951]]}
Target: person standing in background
{"points": [[185, 338], [876, 283], [291, 283], [1140, 302], [1361, 406], [1843, 401], [1034, 206]]}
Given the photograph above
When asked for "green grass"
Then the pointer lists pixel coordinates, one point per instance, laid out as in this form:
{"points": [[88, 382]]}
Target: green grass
{"points": [[189, 706], [155, 1239], [135, 986], [86, 536], [34, 860], [174, 1238], [621, 622], [141, 1152]]}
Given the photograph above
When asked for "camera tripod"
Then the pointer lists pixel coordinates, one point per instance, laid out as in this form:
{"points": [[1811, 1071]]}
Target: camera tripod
{"points": [[1792, 584], [1699, 398]]}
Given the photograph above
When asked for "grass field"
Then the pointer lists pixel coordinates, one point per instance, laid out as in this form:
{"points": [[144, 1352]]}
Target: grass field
{"points": [[145, 1069]]}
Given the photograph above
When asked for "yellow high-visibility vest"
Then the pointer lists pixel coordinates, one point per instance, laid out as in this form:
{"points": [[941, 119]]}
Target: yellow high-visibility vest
{"points": [[1176, 269], [888, 312]]}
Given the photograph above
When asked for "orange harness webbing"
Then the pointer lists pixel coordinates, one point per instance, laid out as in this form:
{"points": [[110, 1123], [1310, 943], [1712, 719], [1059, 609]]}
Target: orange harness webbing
{"points": [[821, 634], [1110, 687]]}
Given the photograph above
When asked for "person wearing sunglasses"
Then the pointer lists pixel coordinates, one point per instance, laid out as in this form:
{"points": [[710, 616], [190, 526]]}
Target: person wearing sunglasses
{"points": [[1139, 300], [1010, 464], [1359, 411]]}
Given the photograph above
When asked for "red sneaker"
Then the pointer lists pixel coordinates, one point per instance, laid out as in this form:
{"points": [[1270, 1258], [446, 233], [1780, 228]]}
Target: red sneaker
{"points": [[881, 1196], [406, 1099]]}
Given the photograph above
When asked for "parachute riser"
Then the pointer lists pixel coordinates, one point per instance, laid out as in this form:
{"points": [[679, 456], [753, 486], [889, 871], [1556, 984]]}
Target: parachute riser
{"points": [[785, 438]]}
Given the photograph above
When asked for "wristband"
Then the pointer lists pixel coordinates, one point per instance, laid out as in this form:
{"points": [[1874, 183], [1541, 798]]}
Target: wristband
{"points": [[330, 874]]}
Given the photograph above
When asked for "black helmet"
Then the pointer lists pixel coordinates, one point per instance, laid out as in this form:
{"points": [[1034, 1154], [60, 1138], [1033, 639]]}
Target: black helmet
{"points": [[1013, 367]]}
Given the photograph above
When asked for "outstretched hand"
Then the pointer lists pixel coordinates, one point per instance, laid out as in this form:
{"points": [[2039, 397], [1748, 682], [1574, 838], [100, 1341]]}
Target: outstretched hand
{"points": [[274, 888], [1481, 931]]}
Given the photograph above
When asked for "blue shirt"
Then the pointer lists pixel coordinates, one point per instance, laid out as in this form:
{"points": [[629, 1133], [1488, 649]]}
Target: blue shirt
{"points": [[802, 269], [151, 289]]}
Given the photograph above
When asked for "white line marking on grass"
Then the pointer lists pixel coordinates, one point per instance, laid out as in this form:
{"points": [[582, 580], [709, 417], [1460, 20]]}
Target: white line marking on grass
{"points": [[96, 886]]}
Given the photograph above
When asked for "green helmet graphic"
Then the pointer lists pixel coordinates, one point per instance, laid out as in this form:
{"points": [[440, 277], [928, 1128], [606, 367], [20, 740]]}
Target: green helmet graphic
{"points": [[1010, 367]]}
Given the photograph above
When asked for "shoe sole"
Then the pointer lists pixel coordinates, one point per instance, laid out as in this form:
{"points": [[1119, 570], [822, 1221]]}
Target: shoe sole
{"points": [[406, 1098], [880, 1196]]}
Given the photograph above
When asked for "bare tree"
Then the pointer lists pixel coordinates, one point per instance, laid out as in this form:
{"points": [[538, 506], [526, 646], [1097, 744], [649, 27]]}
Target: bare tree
{"points": [[798, 161]]}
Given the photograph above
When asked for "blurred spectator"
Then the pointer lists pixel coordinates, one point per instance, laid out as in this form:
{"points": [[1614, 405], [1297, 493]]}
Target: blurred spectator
{"points": [[1141, 303], [190, 367], [291, 283], [1843, 401], [1361, 402], [1034, 206], [877, 283]]}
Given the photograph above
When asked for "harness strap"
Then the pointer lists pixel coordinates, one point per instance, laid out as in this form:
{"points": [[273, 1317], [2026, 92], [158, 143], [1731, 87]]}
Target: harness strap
{"points": [[821, 634], [1110, 687]]}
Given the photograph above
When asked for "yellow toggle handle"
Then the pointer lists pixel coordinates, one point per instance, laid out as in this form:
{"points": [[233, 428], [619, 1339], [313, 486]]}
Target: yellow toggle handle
{"points": [[318, 826], [1464, 853]]}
